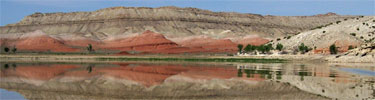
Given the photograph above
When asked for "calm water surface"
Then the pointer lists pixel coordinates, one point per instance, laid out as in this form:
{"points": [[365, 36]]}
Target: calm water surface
{"points": [[185, 80]]}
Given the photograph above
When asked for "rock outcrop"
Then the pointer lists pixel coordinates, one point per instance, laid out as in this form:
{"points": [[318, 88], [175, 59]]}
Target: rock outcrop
{"points": [[345, 33], [171, 21], [365, 54], [36, 41], [147, 41]]}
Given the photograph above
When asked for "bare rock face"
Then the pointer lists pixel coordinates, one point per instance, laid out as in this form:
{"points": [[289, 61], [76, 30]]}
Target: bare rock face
{"points": [[207, 44], [36, 41], [146, 41], [345, 33], [171, 21]]}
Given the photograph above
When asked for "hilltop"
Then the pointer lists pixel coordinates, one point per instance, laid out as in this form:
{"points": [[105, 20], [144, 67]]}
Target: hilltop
{"points": [[172, 22]]}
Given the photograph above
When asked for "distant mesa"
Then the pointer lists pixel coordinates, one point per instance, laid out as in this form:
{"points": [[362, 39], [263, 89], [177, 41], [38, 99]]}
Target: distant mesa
{"points": [[327, 14]]}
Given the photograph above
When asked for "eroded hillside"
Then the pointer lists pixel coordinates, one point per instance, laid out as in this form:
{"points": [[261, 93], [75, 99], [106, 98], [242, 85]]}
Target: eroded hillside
{"points": [[171, 21]]}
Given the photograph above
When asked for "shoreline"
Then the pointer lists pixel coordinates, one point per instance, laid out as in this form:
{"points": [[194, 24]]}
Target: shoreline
{"points": [[174, 58]]}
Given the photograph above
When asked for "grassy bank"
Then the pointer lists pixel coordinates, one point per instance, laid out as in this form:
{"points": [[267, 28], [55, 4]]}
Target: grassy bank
{"points": [[249, 60]]}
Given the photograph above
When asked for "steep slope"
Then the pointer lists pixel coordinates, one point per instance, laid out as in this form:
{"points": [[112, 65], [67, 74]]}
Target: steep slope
{"points": [[252, 40], [36, 41], [364, 53], [352, 32], [147, 41], [171, 21], [207, 44]]}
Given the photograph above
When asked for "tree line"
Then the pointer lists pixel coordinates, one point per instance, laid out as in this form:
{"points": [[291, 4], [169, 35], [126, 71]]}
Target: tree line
{"points": [[266, 48]]}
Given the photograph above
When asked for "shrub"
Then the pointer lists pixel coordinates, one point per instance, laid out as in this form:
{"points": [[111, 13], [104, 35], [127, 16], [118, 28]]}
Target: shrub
{"points": [[279, 47], [288, 37], [324, 31], [303, 49], [6, 49], [353, 34], [350, 47], [333, 49], [240, 46], [89, 48], [268, 47], [337, 22], [14, 49], [278, 39], [357, 29], [345, 19], [361, 37]]}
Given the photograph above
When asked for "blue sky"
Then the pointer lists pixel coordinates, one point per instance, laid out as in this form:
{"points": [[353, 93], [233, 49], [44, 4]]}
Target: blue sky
{"points": [[13, 11]]}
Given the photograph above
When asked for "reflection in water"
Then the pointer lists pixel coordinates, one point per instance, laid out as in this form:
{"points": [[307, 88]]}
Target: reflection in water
{"points": [[10, 95], [89, 68], [359, 71], [186, 80]]}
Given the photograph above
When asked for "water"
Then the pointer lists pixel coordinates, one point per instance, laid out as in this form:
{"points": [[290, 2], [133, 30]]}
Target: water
{"points": [[146, 80]]}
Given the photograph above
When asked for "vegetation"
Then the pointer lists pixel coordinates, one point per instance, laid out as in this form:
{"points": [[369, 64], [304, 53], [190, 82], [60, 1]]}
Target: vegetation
{"points": [[6, 49], [353, 34], [319, 27], [303, 49], [357, 29], [333, 49], [249, 48], [337, 22], [240, 46], [288, 37], [89, 48], [324, 31], [350, 47], [269, 47], [14, 49], [278, 39], [252, 60], [261, 49], [279, 47]]}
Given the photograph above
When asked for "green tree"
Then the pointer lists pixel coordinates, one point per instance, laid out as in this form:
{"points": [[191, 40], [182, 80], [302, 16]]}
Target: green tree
{"points": [[248, 48], [6, 49], [261, 48], [268, 47], [333, 49], [350, 47], [279, 47], [14, 49], [240, 46], [303, 48], [89, 48]]}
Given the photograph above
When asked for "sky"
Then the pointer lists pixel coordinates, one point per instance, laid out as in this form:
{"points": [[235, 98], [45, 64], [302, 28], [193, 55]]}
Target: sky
{"points": [[12, 11]]}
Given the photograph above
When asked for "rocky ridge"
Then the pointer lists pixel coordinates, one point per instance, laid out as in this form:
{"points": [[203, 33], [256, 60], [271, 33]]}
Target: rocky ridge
{"points": [[171, 21], [345, 33]]}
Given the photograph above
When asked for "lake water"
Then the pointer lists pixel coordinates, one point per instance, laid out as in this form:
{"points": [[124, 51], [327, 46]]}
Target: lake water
{"points": [[186, 80]]}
